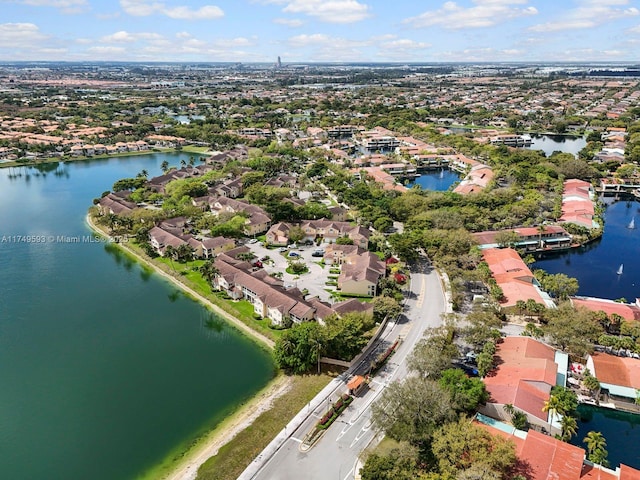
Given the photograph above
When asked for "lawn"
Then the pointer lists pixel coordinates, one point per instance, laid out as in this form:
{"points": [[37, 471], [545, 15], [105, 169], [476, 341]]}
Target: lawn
{"points": [[235, 456]]}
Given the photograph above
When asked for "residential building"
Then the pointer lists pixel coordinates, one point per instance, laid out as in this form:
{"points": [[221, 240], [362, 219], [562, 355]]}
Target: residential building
{"points": [[514, 277], [526, 370], [361, 273]]}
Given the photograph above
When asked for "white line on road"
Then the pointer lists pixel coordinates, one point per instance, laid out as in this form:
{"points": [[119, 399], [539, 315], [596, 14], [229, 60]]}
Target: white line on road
{"points": [[349, 475], [295, 439]]}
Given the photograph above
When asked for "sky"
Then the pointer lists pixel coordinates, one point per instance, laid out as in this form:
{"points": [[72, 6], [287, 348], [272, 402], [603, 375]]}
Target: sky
{"points": [[320, 30]]}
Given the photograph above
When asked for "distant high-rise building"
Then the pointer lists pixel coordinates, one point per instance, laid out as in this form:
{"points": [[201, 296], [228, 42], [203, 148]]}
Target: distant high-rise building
{"points": [[279, 62]]}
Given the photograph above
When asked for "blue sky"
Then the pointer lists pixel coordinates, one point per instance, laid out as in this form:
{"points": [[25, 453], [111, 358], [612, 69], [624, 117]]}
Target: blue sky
{"points": [[320, 30]]}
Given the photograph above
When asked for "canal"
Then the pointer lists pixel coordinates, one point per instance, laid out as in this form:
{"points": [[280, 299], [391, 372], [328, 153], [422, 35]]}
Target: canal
{"points": [[596, 265], [621, 431], [106, 369]]}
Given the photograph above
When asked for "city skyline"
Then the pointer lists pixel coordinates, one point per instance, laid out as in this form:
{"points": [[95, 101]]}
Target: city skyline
{"points": [[320, 31]]}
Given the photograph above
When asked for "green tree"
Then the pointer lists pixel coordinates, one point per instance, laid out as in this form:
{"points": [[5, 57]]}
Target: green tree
{"points": [[434, 353], [485, 363], [298, 350], [596, 444], [385, 307], [412, 410], [574, 331], [461, 446], [466, 393], [569, 427], [164, 166]]}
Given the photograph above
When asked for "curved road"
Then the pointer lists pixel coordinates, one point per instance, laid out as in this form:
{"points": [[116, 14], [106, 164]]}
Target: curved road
{"points": [[334, 456]]}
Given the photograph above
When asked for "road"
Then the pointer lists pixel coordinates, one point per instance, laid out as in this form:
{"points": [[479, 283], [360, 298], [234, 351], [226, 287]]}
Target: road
{"points": [[334, 456]]}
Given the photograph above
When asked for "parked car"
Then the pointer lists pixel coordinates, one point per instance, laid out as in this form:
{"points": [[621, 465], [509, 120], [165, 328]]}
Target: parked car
{"points": [[293, 254], [253, 240], [318, 252], [282, 249]]}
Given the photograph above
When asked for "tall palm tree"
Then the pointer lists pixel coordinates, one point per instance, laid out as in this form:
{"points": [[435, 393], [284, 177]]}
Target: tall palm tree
{"points": [[592, 384], [596, 444], [569, 427], [183, 162], [552, 406], [192, 160], [209, 271], [164, 166]]}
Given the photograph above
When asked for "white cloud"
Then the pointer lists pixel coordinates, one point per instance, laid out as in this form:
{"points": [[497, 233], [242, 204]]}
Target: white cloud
{"points": [[67, 6], [207, 12], [289, 22], [589, 14], [127, 37], [305, 40], [144, 8], [329, 11], [21, 35], [485, 13]]}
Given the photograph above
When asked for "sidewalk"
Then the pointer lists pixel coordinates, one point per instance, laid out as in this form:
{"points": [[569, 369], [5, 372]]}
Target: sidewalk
{"points": [[284, 434]]}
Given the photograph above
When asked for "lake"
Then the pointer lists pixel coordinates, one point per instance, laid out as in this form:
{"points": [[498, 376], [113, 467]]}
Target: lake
{"points": [[106, 369], [595, 265], [438, 180], [561, 143], [621, 431]]}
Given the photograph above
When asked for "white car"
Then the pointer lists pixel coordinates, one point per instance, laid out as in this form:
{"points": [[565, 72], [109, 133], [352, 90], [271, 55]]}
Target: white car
{"points": [[282, 249]]}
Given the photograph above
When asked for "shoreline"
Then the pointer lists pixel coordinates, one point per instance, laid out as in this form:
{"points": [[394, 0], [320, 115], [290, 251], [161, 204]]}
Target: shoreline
{"points": [[209, 443], [243, 328], [65, 160]]}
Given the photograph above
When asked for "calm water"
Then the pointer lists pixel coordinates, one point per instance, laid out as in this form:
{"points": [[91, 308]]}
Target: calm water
{"points": [[595, 265], [621, 431], [104, 367], [437, 180], [560, 143]]}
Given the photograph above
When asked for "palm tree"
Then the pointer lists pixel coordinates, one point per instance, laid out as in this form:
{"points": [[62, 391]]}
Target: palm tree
{"points": [[143, 174], [521, 305], [569, 427], [592, 384], [553, 406], [164, 166], [596, 444], [192, 160], [509, 409], [209, 271]]}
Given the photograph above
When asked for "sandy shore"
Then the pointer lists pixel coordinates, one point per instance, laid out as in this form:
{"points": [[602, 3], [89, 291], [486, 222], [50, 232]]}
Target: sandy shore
{"points": [[187, 468], [229, 428]]}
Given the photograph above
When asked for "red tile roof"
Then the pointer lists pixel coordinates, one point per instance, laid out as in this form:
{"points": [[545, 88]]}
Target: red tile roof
{"points": [[550, 458], [512, 275], [625, 310], [622, 371], [525, 375]]}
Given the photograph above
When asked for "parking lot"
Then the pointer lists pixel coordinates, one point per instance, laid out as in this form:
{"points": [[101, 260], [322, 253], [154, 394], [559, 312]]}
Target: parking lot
{"points": [[314, 280]]}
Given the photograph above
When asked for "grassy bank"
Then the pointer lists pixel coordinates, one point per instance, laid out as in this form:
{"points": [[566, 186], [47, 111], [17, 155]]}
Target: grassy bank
{"points": [[236, 455]]}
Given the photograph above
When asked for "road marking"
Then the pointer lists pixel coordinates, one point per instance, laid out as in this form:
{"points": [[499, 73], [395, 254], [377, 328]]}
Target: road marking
{"points": [[295, 439], [349, 475], [361, 433]]}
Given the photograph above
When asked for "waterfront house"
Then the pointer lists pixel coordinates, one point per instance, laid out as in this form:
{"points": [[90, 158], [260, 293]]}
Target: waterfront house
{"points": [[628, 311], [526, 371], [116, 203], [514, 277], [545, 457], [578, 204], [619, 376], [530, 239]]}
